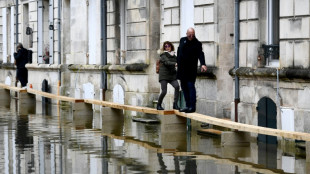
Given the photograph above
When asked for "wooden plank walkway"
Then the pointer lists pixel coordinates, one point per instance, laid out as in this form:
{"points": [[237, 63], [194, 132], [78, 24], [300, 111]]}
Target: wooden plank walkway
{"points": [[194, 116], [129, 107], [54, 96], [245, 127], [12, 88]]}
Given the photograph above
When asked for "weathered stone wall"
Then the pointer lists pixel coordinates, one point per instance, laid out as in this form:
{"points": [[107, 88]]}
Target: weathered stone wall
{"points": [[294, 53], [36, 75]]}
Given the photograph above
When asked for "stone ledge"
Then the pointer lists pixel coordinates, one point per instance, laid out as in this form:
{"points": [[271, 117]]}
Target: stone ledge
{"points": [[136, 67], [78, 67], [44, 67], [285, 74], [109, 68], [211, 72], [7, 66]]}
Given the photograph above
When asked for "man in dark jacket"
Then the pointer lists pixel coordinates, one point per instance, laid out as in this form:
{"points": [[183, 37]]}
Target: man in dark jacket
{"points": [[189, 51], [21, 58]]}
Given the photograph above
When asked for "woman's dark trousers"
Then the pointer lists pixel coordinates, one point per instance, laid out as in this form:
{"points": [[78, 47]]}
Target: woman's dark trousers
{"points": [[163, 93]]}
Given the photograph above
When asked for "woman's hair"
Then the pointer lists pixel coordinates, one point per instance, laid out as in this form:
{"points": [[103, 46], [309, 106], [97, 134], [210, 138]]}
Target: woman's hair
{"points": [[19, 45], [168, 43]]}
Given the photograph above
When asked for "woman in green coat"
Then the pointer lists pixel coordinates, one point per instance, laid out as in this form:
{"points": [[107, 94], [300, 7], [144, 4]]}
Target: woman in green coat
{"points": [[168, 74]]}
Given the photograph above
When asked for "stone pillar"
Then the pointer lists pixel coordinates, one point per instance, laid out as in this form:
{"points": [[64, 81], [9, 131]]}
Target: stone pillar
{"points": [[26, 103], [5, 97], [112, 120], [235, 139], [82, 121], [25, 98], [82, 108], [308, 153], [173, 132]]}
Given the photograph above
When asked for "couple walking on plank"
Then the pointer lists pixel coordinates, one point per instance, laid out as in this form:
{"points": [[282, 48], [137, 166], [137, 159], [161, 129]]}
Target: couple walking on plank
{"points": [[183, 67]]}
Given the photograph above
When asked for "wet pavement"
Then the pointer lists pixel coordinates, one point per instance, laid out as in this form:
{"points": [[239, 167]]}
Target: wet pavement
{"points": [[47, 139]]}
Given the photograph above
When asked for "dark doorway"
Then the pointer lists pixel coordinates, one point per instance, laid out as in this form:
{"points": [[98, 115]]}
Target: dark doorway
{"points": [[267, 117], [267, 145]]}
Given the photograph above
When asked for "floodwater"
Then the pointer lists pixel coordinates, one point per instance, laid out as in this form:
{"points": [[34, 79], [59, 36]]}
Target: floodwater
{"points": [[43, 138]]}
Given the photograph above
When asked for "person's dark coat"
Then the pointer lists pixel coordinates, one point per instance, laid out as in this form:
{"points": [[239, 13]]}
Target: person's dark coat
{"points": [[21, 59], [167, 69], [188, 54]]}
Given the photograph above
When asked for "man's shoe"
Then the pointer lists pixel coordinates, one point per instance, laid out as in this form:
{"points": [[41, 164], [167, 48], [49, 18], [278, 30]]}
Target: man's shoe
{"points": [[190, 110], [184, 109], [175, 106], [159, 107]]}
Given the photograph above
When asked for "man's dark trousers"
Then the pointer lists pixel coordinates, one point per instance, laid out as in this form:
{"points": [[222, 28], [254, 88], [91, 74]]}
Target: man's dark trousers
{"points": [[22, 76], [189, 92]]}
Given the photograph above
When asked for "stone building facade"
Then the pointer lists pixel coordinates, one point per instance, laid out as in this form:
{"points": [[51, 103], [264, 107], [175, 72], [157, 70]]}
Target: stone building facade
{"points": [[275, 84], [135, 31]]}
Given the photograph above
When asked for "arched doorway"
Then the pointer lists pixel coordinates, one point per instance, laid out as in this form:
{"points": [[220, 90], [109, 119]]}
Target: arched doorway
{"points": [[267, 145], [267, 117]]}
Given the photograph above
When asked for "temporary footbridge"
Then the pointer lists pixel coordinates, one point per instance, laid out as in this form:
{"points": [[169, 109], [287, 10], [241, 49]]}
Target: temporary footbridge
{"points": [[194, 116]]}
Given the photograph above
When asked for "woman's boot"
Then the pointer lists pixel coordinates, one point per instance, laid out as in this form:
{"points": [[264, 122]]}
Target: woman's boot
{"points": [[159, 107], [175, 106]]}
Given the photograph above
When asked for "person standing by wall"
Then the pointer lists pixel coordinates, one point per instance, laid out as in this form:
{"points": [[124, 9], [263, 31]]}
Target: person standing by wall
{"points": [[189, 51], [168, 74], [21, 58]]}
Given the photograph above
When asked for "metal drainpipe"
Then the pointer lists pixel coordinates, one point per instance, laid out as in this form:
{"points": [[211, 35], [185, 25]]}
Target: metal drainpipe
{"points": [[237, 98], [270, 27], [270, 22], [16, 21], [103, 20], [59, 44]]}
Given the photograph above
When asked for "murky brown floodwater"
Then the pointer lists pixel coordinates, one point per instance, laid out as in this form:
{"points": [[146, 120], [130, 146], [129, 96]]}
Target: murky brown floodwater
{"points": [[54, 141]]}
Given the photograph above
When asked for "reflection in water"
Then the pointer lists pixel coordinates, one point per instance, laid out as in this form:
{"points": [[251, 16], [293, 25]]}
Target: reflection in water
{"points": [[190, 165], [105, 162], [24, 142], [267, 155], [22, 138], [66, 143], [163, 167]]}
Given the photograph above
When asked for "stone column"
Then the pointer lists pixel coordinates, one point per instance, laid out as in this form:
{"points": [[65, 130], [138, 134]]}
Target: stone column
{"points": [[112, 120], [82, 109], [173, 132], [5, 97]]}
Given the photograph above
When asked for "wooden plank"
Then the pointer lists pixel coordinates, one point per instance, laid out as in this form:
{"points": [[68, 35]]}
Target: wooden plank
{"points": [[245, 127], [195, 116], [210, 131], [12, 88], [54, 96], [130, 108]]}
